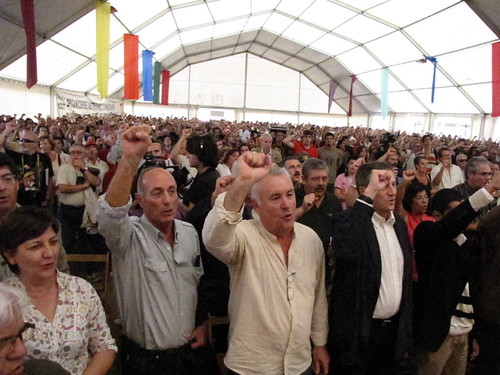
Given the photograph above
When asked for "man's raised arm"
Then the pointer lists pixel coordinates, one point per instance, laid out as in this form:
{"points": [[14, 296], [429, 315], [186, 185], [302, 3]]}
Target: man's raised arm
{"points": [[252, 166], [135, 142]]}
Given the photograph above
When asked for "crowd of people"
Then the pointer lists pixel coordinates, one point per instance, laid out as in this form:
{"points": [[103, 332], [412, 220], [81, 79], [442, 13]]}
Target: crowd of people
{"points": [[331, 250]]}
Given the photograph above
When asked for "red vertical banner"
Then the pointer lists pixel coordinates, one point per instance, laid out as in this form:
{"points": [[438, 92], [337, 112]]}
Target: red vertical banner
{"points": [[165, 86], [353, 79], [131, 66], [28, 13], [495, 79]]}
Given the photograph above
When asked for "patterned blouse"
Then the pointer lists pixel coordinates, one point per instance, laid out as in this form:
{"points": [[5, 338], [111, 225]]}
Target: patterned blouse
{"points": [[79, 329]]}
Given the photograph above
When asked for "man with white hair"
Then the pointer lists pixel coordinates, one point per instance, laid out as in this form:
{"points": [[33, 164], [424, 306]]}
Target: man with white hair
{"points": [[266, 142], [277, 305]]}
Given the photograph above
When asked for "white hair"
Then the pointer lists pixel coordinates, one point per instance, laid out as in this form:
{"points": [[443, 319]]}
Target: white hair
{"points": [[13, 301], [274, 171]]}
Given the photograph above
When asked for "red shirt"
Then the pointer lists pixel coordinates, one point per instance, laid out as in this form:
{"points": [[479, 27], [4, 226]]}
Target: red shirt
{"points": [[298, 146]]}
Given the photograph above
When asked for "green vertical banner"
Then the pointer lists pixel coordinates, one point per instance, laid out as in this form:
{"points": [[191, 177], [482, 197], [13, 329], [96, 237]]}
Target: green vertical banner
{"points": [[156, 82]]}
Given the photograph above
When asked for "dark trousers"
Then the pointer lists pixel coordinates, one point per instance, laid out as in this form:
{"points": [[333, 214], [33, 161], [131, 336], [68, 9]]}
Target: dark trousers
{"points": [[179, 361], [70, 218], [488, 338], [378, 358], [309, 371]]}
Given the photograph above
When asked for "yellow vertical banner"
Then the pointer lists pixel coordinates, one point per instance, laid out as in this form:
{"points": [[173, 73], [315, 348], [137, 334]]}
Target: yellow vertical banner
{"points": [[102, 12]]}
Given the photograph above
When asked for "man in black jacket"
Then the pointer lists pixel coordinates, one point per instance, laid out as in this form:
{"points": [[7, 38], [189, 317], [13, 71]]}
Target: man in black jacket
{"points": [[445, 267], [370, 306]]}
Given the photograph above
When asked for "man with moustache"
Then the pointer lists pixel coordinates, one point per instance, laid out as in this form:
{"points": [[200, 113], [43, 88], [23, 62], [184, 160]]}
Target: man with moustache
{"points": [[315, 205], [294, 169], [370, 308], [156, 267], [277, 305]]}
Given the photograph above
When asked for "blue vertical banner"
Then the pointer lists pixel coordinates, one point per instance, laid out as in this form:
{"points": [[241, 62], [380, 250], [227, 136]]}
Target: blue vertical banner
{"points": [[384, 97], [147, 75], [434, 61]]}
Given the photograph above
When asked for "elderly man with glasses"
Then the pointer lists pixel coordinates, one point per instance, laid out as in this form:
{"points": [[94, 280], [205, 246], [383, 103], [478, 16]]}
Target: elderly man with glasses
{"points": [[35, 168], [13, 330], [477, 175]]}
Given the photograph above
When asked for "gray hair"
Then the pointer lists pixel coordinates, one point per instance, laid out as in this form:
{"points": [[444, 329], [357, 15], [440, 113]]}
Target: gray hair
{"points": [[313, 164], [13, 301], [274, 171], [473, 164]]}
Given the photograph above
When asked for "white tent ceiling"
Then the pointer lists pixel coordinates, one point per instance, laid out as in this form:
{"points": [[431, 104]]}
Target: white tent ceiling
{"points": [[322, 39]]}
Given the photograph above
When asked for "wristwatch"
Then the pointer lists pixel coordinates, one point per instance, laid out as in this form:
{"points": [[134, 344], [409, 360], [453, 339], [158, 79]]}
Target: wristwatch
{"points": [[84, 169]]}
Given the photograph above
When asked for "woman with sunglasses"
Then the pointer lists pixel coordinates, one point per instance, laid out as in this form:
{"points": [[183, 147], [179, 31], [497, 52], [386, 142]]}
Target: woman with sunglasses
{"points": [[70, 324]]}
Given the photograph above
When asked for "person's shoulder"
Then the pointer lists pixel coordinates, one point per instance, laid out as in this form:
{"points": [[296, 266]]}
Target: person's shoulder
{"points": [[181, 225]]}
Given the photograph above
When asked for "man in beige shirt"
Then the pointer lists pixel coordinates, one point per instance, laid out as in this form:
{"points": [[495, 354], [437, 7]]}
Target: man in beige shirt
{"points": [[277, 305]]}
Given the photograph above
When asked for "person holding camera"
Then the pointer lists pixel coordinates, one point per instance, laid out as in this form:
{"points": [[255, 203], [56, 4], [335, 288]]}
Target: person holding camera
{"points": [[74, 182]]}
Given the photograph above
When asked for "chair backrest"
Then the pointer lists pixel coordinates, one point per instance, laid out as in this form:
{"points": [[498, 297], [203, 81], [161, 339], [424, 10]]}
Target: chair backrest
{"points": [[93, 258]]}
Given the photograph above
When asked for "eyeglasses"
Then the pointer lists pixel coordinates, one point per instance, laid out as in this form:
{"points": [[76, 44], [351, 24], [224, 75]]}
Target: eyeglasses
{"points": [[484, 174], [25, 140], [8, 344], [461, 160], [9, 177]]}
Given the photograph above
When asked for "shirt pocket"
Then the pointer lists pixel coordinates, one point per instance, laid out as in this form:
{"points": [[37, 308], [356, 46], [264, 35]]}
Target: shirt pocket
{"points": [[155, 271]]}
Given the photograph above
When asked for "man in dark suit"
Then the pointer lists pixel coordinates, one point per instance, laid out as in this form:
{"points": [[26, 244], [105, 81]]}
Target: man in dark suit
{"points": [[445, 267], [370, 306]]}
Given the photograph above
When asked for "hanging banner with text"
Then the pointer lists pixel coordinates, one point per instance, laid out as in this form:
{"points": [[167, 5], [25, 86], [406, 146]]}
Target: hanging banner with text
{"points": [[85, 104]]}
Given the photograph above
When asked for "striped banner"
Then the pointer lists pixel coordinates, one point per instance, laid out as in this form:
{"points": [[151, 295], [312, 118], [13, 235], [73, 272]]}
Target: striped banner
{"points": [[495, 79], [156, 83]]}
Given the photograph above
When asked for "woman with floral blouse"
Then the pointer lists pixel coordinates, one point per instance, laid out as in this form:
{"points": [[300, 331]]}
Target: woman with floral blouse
{"points": [[70, 324]]}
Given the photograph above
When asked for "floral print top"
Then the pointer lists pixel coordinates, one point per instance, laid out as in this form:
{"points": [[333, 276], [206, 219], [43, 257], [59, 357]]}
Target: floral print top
{"points": [[78, 331]]}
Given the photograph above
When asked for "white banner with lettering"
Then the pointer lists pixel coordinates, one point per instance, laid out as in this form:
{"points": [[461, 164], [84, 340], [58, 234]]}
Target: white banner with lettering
{"points": [[85, 104]]}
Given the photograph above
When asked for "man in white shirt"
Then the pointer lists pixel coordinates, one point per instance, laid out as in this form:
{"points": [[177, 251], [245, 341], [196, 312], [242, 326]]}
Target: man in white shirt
{"points": [[446, 175], [277, 305], [370, 312]]}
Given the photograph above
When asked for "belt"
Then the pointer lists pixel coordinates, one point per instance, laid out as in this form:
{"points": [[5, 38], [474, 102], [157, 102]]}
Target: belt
{"points": [[136, 350], [384, 323]]}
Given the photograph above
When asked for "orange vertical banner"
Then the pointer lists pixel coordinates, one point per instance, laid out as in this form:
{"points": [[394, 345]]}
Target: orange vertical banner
{"points": [[165, 86], [131, 66], [495, 79]]}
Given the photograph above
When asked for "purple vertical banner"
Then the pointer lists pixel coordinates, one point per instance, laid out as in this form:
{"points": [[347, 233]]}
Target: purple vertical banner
{"points": [[384, 97], [147, 75], [331, 93]]}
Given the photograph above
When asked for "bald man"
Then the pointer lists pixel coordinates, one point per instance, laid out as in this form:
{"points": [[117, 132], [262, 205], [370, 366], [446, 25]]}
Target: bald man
{"points": [[156, 265], [266, 142]]}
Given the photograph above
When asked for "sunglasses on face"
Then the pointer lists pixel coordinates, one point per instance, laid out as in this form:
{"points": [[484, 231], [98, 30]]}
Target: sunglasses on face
{"points": [[25, 140]]}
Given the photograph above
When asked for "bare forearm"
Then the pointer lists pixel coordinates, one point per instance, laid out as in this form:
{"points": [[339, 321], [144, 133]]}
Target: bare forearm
{"points": [[119, 188], [92, 179], [70, 189], [439, 177], [100, 363], [236, 195]]}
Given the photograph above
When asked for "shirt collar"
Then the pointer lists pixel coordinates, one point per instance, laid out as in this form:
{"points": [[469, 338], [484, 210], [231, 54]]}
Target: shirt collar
{"points": [[378, 220], [155, 232]]}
